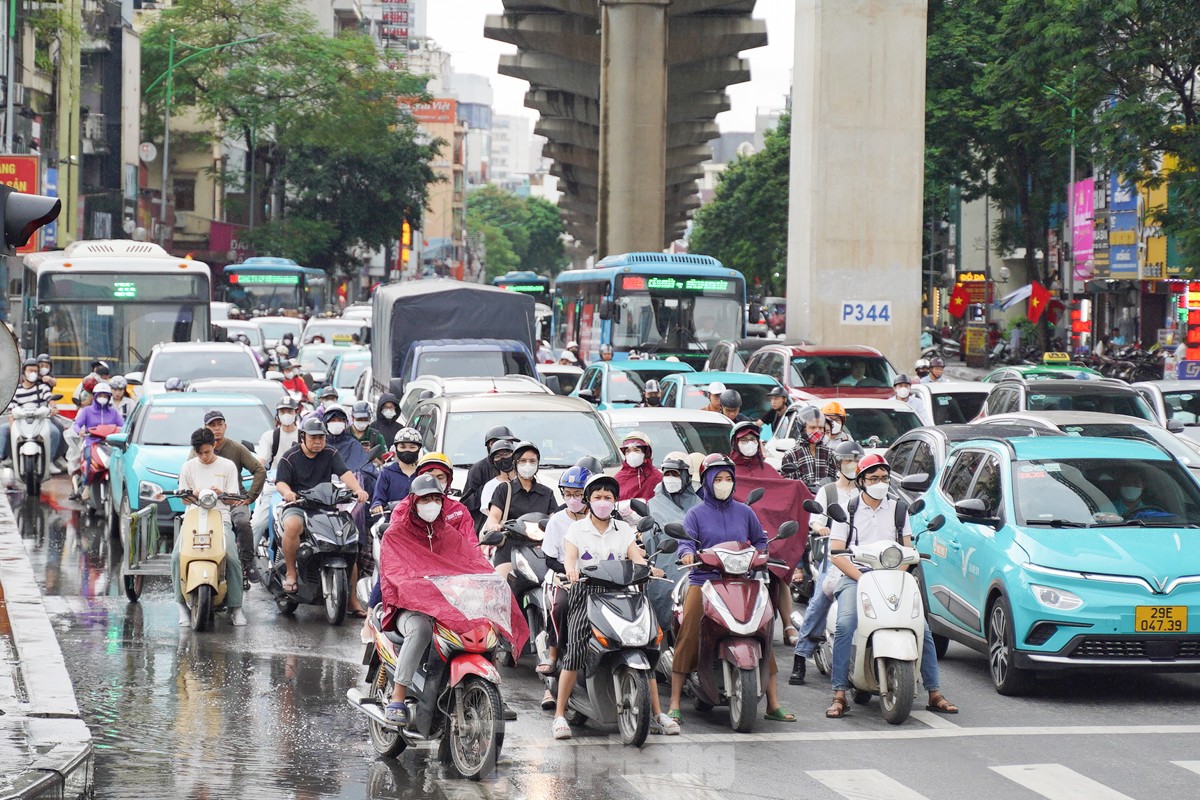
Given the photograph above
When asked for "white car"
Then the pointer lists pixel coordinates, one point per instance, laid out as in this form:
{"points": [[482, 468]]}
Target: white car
{"points": [[872, 422], [357, 311], [672, 429], [192, 361], [233, 327], [953, 402], [337, 331], [274, 328], [1174, 401], [428, 386], [561, 378]]}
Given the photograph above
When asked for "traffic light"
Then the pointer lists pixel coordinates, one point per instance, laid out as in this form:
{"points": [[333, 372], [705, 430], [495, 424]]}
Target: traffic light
{"points": [[24, 214], [405, 243]]}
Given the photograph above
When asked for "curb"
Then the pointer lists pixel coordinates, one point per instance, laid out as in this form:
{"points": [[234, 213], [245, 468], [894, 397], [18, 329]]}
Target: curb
{"points": [[47, 716]]}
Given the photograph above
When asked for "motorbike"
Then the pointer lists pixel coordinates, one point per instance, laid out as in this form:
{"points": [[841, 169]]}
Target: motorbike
{"points": [[32, 455], [202, 555], [622, 651], [737, 627], [455, 698], [529, 570], [94, 475], [328, 549]]}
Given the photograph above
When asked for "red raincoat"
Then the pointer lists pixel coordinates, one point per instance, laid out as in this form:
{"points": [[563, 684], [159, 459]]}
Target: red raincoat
{"points": [[782, 500]]}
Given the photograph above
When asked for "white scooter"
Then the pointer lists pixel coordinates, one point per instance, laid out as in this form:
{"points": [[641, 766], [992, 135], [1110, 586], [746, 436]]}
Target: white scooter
{"points": [[32, 456]]}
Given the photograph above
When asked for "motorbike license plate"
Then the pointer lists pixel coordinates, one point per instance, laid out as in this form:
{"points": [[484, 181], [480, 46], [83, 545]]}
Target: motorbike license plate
{"points": [[1160, 619]]}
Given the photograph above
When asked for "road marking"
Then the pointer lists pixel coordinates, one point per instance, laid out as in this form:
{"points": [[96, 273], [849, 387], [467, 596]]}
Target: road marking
{"points": [[934, 720], [1194, 766], [1056, 782], [864, 784], [683, 786]]}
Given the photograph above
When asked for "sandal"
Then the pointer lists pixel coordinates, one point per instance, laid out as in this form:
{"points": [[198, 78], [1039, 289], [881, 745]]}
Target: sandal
{"points": [[676, 715], [790, 636], [779, 715], [289, 585], [357, 613], [837, 710], [938, 704], [396, 714], [548, 702]]}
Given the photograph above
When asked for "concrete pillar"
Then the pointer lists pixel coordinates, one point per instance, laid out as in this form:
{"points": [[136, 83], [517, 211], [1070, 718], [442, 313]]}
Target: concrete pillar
{"points": [[858, 138], [633, 125]]}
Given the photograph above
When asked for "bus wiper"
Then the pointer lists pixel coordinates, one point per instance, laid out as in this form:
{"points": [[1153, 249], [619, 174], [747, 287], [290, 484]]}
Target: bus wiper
{"points": [[1057, 523]]}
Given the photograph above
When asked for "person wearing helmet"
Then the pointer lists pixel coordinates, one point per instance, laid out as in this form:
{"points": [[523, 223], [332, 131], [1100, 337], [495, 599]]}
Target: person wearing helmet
{"points": [[719, 518], [505, 467], [672, 499], [481, 472], [598, 536], [874, 516], [100, 412], [651, 394], [387, 412], [921, 368], [361, 428], [637, 476], [778, 398], [745, 450], [309, 464], [606, 352], [731, 405], [289, 341], [243, 459], [271, 445], [419, 544], [567, 359], [46, 370], [123, 399], [835, 422], [916, 402], [516, 498], [715, 390], [936, 367], [173, 384], [99, 374], [591, 464], [337, 425], [294, 382], [811, 460], [396, 476], [30, 391], [457, 514], [573, 348], [812, 628], [326, 398]]}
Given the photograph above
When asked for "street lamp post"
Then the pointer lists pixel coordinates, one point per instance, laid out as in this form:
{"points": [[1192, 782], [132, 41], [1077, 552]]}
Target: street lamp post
{"points": [[1069, 265]]}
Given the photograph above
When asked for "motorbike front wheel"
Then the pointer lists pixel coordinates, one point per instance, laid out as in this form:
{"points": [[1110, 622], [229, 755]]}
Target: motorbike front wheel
{"points": [[202, 608], [743, 700], [896, 690], [133, 587], [475, 745], [33, 476], [337, 596], [633, 706]]}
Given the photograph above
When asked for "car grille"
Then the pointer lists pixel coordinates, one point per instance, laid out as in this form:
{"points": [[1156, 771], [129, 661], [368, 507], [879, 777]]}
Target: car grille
{"points": [[1121, 648]]}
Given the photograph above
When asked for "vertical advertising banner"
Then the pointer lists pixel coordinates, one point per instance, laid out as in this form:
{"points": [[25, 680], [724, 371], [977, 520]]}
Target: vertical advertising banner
{"points": [[1083, 202], [1122, 229], [21, 173]]}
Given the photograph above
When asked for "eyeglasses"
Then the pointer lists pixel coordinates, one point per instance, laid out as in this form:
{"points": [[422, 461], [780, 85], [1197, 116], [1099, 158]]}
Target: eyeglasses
{"points": [[870, 479], [576, 495]]}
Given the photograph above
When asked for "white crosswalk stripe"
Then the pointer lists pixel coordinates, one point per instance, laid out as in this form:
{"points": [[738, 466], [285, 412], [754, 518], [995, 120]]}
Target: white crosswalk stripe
{"points": [[1194, 766], [1056, 782], [864, 784]]}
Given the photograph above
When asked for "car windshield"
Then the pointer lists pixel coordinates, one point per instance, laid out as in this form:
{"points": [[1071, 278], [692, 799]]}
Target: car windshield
{"points": [[173, 425], [957, 407], [336, 330], [269, 392], [1183, 406], [625, 385], [318, 357], [469, 363], [348, 373], [1128, 403], [201, 364], [689, 437], [120, 333], [879, 427], [1100, 492], [849, 370], [1182, 449], [274, 331], [755, 401], [563, 437]]}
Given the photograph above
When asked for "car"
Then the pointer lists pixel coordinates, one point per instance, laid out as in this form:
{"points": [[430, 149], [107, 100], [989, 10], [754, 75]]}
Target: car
{"points": [[1174, 400], [875, 424], [1034, 554], [618, 384], [1090, 423], [809, 371], [218, 310], [1107, 395], [269, 391], [274, 328], [955, 401], [1042, 372], [363, 387], [561, 378], [191, 361], [673, 429], [690, 390], [420, 389], [148, 453], [357, 311], [233, 327], [336, 331], [314, 360], [565, 429], [344, 372], [731, 355]]}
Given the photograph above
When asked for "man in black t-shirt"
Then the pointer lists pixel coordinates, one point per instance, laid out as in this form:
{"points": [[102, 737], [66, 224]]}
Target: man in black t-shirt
{"points": [[307, 464]]}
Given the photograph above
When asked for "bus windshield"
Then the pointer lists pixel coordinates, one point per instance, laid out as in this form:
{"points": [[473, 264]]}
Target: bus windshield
{"points": [[121, 333], [271, 292], [685, 315]]}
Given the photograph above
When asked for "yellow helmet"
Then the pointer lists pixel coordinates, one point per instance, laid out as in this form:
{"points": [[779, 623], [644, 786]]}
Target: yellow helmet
{"points": [[433, 461]]}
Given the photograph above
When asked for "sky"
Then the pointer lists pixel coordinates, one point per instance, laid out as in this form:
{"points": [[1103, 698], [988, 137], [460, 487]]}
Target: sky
{"points": [[457, 26]]}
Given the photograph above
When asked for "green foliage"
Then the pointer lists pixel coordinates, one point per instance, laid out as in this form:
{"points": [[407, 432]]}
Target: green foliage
{"points": [[518, 233], [745, 226]]}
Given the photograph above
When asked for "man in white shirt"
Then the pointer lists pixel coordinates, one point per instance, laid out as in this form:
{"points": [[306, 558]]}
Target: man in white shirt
{"points": [[873, 518], [209, 471], [271, 446], [903, 387]]}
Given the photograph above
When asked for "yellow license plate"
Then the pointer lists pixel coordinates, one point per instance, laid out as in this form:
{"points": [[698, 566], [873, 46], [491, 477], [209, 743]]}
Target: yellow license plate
{"points": [[1160, 619]]}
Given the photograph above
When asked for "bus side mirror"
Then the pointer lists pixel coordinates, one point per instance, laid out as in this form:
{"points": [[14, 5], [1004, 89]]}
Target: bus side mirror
{"points": [[605, 309]]}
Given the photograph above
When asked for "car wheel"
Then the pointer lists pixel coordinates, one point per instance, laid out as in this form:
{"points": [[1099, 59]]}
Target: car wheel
{"points": [[1007, 677]]}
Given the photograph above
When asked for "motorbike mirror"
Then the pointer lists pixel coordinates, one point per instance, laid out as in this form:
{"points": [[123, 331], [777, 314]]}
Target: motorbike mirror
{"points": [[916, 506], [639, 507], [788, 529], [675, 531], [249, 445], [668, 546], [376, 452], [646, 524], [813, 507], [936, 524], [56, 397], [917, 482], [492, 539], [755, 496], [837, 513]]}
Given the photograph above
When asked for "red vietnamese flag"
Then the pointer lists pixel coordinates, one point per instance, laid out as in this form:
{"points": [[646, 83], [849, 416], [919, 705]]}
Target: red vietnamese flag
{"points": [[960, 298], [1039, 299]]}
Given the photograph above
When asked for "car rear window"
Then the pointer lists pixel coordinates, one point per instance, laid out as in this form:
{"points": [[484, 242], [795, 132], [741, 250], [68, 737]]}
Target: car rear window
{"points": [[189, 366], [1128, 403], [841, 371]]}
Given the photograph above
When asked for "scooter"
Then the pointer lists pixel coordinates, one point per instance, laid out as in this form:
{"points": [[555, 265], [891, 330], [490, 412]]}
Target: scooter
{"points": [[202, 555], [328, 549], [621, 652], [529, 570], [456, 695], [95, 472], [31, 445], [737, 627]]}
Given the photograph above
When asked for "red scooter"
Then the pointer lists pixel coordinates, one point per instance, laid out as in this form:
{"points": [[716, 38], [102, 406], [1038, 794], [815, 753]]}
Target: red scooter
{"points": [[737, 627], [95, 470]]}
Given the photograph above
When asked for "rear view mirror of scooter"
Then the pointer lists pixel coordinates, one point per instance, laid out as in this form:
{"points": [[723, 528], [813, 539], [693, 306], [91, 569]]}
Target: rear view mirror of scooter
{"points": [[676, 531], [837, 513], [668, 546], [788, 529], [813, 507], [493, 539], [755, 496], [639, 507]]}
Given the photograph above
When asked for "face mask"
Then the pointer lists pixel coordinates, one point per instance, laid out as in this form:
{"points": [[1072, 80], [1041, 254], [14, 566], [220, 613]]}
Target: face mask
{"points": [[602, 509], [1130, 493], [336, 428], [31, 376], [835, 427], [360, 425], [850, 471], [504, 464], [877, 491], [429, 511], [43, 370], [388, 413], [902, 392], [287, 420], [653, 401], [723, 490], [328, 402], [748, 447], [527, 471], [673, 485], [406, 456], [291, 373], [635, 459], [574, 504], [102, 400], [815, 437]]}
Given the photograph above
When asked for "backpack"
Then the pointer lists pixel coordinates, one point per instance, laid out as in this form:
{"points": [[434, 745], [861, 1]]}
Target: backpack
{"points": [[274, 448], [900, 512]]}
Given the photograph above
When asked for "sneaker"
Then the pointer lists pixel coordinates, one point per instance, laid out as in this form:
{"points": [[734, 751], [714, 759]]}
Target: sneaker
{"points": [[185, 615], [664, 726], [560, 728], [55, 469], [250, 572], [237, 617]]}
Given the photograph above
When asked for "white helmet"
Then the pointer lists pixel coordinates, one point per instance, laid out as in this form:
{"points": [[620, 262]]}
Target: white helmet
{"points": [[922, 363], [102, 388]]}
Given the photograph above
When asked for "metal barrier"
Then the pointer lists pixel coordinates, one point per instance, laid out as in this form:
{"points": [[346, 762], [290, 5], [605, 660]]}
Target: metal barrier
{"points": [[143, 544]]}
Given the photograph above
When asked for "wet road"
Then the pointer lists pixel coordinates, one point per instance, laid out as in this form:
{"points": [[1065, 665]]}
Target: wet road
{"points": [[260, 712]]}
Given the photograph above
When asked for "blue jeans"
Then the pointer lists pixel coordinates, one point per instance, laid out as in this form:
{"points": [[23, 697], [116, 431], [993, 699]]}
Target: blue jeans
{"points": [[847, 623], [813, 626], [55, 440]]}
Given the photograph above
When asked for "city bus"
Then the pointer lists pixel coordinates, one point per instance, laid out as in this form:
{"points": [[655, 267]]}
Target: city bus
{"points": [[530, 283], [659, 304], [111, 300], [274, 285]]}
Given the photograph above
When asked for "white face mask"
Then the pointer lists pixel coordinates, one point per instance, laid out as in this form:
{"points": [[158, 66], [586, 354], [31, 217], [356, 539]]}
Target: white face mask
{"points": [[429, 511], [877, 491], [835, 427], [31, 376], [673, 485], [291, 373], [336, 428], [748, 447], [635, 458], [723, 490], [902, 392], [360, 425], [287, 420], [527, 471], [102, 400], [43, 370], [388, 413]]}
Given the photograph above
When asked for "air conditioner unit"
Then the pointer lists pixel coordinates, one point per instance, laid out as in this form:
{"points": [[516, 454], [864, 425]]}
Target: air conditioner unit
{"points": [[93, 128], [18, 94]]}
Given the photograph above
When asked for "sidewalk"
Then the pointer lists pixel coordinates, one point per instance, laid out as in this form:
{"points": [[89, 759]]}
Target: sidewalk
{"points": [[45, 748]]}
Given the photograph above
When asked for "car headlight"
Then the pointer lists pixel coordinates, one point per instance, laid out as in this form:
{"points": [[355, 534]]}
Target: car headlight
{"points": [[151, 492], [891, 557], [1058, 599]]}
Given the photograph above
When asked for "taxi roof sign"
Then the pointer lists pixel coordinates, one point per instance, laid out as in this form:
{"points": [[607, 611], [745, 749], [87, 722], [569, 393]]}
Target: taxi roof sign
{"points": [[1056, 358]]}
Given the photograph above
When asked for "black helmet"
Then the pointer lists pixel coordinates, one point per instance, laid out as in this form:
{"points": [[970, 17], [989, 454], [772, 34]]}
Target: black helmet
{"points": [[285, 365], [741, 429], [936, 361], [601, 481], [521, 447], [313, 426], [901, 378], [287, 402], [777, 391], [847, 450], [591, 464], [329, 391], [29, 362], [500, 445], [671, 464], [498, 432], [731, 398], [424, 485]]}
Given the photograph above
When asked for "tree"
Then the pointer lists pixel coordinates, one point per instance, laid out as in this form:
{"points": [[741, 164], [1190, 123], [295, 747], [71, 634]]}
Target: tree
{"points": [[745, 227], [518, 233]]}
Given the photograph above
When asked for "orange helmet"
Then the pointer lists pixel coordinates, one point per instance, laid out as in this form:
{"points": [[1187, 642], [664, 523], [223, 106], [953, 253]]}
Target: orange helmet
{"points": [[833, 408]]}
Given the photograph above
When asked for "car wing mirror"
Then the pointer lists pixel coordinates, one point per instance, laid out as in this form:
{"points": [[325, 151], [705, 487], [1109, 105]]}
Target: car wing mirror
{"points": [[134, 378], [975, 510], [1175, 426], [783, 443], [917, 482], [755, 496]]}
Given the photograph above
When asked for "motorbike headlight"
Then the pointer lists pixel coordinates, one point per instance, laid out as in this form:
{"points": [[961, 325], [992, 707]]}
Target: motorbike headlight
{"points": [[207, 500], [891, 557], [637, 633], [1058, 599], [523, 568], [151, 492], [736, 563]]}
